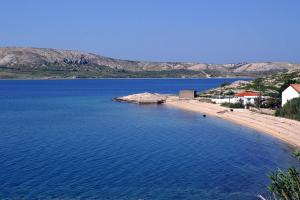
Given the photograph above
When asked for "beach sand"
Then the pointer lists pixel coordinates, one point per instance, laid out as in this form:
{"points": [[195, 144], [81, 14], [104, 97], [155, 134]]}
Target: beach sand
{"points": [[284, 129]]}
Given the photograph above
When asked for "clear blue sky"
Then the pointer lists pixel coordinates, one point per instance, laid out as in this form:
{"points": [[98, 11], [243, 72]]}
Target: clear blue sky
{"points": [[211, 31]]}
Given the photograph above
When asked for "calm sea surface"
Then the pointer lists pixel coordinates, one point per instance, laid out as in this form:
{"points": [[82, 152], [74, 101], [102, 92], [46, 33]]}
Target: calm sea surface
{"points": [[67, 140]]}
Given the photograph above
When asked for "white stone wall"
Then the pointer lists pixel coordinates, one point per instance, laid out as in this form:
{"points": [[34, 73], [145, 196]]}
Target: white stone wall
{"points": [[289, 94], [226, 100]]}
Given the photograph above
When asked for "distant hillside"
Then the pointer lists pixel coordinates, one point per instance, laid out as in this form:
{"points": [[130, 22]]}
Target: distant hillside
{"points": [[271, 85], [53, 63]]}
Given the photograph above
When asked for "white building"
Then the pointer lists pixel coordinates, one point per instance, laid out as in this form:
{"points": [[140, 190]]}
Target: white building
{"points": [[248, 97], [225, 100], [293, 91]]}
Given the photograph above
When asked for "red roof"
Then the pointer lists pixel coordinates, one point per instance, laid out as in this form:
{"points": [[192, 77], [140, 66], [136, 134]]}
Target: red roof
{"points": [[247, 93], [296, 87]]}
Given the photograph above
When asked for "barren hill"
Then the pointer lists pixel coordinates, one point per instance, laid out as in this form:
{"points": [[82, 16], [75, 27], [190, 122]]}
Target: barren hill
{"points": [[53, 63]]}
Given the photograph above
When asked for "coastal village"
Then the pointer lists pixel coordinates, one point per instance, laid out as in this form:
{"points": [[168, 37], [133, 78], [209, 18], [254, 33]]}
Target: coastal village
{"points": [[150, 100], [270, 104]]}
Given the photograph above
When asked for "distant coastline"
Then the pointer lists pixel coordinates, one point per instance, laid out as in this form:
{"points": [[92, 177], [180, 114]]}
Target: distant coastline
{"points": [[138, 78], [47, 63]]}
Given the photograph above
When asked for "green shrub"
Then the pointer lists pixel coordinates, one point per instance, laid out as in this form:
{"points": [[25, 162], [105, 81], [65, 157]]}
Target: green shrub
{"points": [[290, 110], [271, 103], [285, 184], [233, 105], [230, 93]]}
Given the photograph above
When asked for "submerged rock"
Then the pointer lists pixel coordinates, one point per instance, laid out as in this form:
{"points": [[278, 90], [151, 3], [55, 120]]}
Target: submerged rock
{"points": [[143, 98]]}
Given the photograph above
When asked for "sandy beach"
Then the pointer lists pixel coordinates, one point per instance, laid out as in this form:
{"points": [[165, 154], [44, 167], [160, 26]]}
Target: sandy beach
{"points": [[284, 129]]}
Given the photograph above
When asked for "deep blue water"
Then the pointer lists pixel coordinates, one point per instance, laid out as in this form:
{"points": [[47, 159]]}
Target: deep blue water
{"points": [[67, 140]]}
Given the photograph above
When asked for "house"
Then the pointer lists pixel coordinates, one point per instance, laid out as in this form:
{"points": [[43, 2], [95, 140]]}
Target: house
{"points": [[293, 91], [187, 94], [248, 97]]}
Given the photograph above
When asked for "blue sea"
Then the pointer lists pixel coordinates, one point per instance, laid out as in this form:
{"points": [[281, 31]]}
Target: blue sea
{"points": [[67, 139]]}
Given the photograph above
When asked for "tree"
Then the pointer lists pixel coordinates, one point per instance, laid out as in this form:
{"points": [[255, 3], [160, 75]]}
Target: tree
{"points": [[285, 185], [230, 93], [272, 103], [290, 110]]}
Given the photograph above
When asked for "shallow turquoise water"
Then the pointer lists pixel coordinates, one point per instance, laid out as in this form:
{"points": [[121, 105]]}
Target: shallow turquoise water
{"points": [[67, 139]]}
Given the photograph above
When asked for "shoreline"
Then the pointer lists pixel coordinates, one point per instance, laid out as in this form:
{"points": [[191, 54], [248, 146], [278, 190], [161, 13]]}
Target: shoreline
{"points": [[50, 79], [286, 130]]}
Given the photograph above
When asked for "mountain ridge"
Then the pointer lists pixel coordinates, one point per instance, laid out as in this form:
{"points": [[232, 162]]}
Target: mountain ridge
{"points": [[45, 62]]}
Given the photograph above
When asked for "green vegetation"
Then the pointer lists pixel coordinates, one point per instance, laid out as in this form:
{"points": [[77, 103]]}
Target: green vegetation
{"points": [[273, 85], [272, 103], [286, 184], [290, 110], [264, 87], [233, 105], [229, 93]]}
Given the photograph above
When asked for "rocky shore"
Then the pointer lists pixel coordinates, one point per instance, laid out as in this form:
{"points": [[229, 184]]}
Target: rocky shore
{"points": [[143, 98]]}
